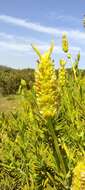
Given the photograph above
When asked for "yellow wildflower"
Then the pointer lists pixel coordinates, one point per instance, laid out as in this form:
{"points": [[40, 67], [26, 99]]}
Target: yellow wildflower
{"points": [[45, 84]]}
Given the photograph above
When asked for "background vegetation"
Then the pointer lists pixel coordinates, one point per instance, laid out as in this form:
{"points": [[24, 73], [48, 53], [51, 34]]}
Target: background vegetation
{"points": [[10, 79]]}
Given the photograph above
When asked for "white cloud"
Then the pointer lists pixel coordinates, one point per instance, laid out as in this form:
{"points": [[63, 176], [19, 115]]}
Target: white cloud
{"points": [[5, 35], [22, 47], [14, 46], [75, 34], [19, 53]]}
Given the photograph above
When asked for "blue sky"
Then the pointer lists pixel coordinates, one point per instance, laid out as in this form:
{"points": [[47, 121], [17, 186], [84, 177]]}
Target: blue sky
{"points": [[23, 22]]}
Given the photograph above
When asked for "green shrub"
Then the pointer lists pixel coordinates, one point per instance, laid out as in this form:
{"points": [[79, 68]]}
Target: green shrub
{"points": [[10, 80]]}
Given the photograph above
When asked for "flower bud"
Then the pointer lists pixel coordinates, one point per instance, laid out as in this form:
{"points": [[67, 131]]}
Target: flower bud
{"points": [[62, 73], [78, 56], [69, 56], [65, 43]]}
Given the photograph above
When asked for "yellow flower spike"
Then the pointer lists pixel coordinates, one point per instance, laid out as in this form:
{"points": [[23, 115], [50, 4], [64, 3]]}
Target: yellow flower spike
{"points": [[62, 73], [78, 182], [46, 85], [65, 45]]}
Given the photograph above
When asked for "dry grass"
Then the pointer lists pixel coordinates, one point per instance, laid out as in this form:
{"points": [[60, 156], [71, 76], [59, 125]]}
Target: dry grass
{"points": [[8, 103]]}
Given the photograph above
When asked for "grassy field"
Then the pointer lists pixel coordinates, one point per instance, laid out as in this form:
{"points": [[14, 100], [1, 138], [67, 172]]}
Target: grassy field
{"points": [[43, 140]]}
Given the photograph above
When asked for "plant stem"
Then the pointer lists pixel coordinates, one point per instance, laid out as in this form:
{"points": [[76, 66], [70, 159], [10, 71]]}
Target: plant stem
{"points": [[57, 149]]}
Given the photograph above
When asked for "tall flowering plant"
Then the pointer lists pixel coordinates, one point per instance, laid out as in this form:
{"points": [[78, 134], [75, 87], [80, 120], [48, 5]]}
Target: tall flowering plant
{"points": [[46, 97]]}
